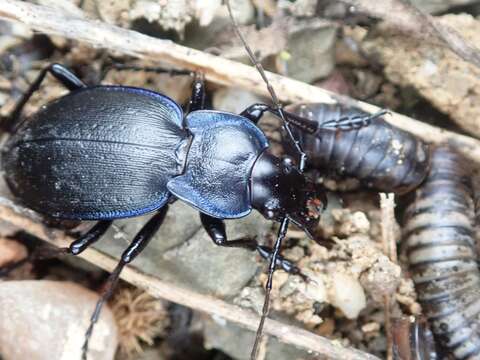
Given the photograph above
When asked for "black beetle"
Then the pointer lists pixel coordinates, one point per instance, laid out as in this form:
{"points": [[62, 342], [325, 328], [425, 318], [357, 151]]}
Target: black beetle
{"points": [[109, 152]]}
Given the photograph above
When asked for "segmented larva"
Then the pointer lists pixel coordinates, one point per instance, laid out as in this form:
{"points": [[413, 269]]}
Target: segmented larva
{"points": [[380, 155], [440, 243]]}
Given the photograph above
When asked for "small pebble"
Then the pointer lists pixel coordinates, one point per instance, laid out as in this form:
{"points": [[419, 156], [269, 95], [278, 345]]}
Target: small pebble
{"points": [[371, 327], [347, 295], [46, 320]]}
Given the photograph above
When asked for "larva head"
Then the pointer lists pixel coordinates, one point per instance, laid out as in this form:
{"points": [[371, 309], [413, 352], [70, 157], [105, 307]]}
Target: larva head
{"points": [[279, 190]]}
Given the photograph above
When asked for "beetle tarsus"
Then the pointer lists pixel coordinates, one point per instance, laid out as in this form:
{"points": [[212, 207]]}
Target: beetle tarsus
{"points": [[138, 244]]}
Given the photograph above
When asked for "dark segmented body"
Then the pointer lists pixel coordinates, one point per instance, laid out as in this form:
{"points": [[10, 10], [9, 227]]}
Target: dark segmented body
{"points": [[380, 155], [439, 237]]}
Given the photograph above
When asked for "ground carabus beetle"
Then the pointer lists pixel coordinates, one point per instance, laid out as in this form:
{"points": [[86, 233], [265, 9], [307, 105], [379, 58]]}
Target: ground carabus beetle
{"points": [[109, 152]]}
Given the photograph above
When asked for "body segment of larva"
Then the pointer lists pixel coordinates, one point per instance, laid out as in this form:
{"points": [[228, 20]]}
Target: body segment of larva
{"points": [[440, 243], [380, 155]]}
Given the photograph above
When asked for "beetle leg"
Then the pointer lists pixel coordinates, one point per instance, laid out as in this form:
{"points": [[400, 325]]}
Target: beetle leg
{"points": [[90, 237], [287, 265], [61, 73], [216, 230], [138, 244], [48, 252], [197, 100], [255, 112]]}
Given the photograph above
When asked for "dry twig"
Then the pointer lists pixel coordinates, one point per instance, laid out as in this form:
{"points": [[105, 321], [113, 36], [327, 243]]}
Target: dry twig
{"points": [[216, 69], [18, 217], [404, 16], [387, 206]]}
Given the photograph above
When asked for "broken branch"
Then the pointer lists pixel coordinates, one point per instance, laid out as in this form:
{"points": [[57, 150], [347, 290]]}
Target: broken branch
{"points": [[216, 69]]}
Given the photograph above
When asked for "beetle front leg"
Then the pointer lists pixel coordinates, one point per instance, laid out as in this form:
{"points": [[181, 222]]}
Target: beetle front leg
{"points": [[216, 230], [61, 73], [138, 244]]}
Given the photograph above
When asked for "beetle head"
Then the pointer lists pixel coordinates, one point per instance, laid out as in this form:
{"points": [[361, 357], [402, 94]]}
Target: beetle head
{"points": [[279, 189]]}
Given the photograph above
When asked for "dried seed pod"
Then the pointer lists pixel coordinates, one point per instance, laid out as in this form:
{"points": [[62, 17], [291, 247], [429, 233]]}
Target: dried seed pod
{"points": [[379, 155], [440, 244]]}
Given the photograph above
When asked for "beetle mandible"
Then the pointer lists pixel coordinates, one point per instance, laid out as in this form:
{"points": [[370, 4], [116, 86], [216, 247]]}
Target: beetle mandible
{"points": [[108, 152]]}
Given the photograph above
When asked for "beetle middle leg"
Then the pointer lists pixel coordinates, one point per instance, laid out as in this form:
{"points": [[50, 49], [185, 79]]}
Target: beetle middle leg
{"points": [[61, 73], [215, 228], [139, 242]]}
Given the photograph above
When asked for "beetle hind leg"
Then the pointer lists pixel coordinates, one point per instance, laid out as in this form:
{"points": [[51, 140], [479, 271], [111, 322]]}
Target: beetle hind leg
{"points": [[139, 242], [60, 72]]}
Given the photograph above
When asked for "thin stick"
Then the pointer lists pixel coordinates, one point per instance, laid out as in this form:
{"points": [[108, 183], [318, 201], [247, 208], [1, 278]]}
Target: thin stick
{"points": [[387, 206], [216, 69], [270, 89], [21, 218]]}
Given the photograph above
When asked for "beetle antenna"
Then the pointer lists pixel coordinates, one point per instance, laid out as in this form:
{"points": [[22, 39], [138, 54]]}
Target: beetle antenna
{"points": [[284, 225], [278, 106], [268, 287]]}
